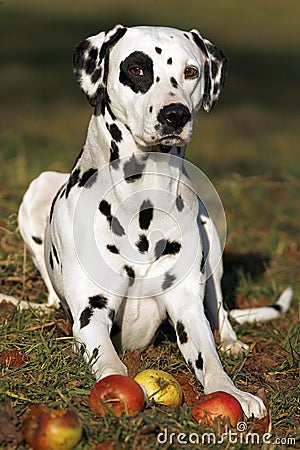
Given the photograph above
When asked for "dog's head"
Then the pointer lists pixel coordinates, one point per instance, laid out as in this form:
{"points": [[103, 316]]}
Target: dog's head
{"points": [[152, 79]]}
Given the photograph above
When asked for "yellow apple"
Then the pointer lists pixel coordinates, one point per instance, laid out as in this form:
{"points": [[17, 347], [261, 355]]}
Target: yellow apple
{"points": [[160, 387]]}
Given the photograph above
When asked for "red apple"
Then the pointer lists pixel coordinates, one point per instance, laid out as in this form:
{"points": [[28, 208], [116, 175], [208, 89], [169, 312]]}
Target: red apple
{"points": [[216, 404], [161, 387], [118, 394], [50, 429]]}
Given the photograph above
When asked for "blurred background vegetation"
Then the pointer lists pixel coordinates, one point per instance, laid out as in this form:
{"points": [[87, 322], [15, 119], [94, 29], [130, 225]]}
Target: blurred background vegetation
{"points": [[248, 146]]}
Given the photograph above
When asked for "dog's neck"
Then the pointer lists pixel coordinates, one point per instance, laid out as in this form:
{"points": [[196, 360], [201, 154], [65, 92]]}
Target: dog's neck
{"points": [[114, 152], [109, 140]]}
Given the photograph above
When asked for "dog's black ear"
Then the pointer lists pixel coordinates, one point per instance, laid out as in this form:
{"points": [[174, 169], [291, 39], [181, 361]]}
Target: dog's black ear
{"points": [[90, 63], [215, 70]]}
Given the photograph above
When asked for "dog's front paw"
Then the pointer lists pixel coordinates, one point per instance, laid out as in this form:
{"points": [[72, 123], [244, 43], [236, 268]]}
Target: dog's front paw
{"points": [[53, 301], [233, 348], [251, 404]]}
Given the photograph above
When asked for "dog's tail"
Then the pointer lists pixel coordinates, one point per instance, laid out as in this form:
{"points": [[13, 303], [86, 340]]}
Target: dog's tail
{"points": [[264, 313], [23, 304]]}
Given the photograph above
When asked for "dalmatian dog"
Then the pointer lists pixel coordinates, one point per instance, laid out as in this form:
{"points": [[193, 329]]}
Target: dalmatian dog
{"points": [[123, 243]]}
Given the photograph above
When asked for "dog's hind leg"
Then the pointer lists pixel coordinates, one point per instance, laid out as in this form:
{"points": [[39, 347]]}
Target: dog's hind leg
{"points": [[33, 215]]}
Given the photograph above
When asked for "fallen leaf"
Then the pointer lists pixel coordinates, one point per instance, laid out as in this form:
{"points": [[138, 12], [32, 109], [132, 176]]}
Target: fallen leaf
{"points": [[190, 393], [13, 358], [132, 361]]}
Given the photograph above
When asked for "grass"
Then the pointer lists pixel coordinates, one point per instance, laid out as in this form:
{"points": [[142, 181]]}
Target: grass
{"points": [[248, 147]]}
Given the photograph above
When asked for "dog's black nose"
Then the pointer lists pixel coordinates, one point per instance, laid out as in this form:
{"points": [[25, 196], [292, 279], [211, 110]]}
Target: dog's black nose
{"points": [[174, 116]]}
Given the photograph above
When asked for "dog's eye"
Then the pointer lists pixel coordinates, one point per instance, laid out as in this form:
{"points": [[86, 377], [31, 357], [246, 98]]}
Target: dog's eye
{"points": [[191, 72], [136, 71]]}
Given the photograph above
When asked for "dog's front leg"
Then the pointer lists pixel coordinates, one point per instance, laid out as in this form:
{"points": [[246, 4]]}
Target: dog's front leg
{"points": [[196, 342], [92, 336]]}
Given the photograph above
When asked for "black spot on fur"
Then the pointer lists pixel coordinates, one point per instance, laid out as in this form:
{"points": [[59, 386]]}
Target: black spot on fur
{"points": [[116, 227], [158, 50], [181, 333], [166, 247], [170, 61], [137, 83], [207, 84], [37, 240], [91, 61], [88, 178], [142, 244], [115, 132], [105, 208], [198, 41], [145, 214], [150, 109], [55, 254], [114, 155], [157, 79], [78, 57], [85, 317], [133, 170], [100, 106], [96, 75], [199, 362], [63, 192], [61, 189], [168, 281], [73, 180], [51, 261], [112, 41], [113, 249], [214, 68], [276, 307], [131, 274], [202, 266], [98, 302], [186, 35], [174, 82], [77, 159], [179, 203]]}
